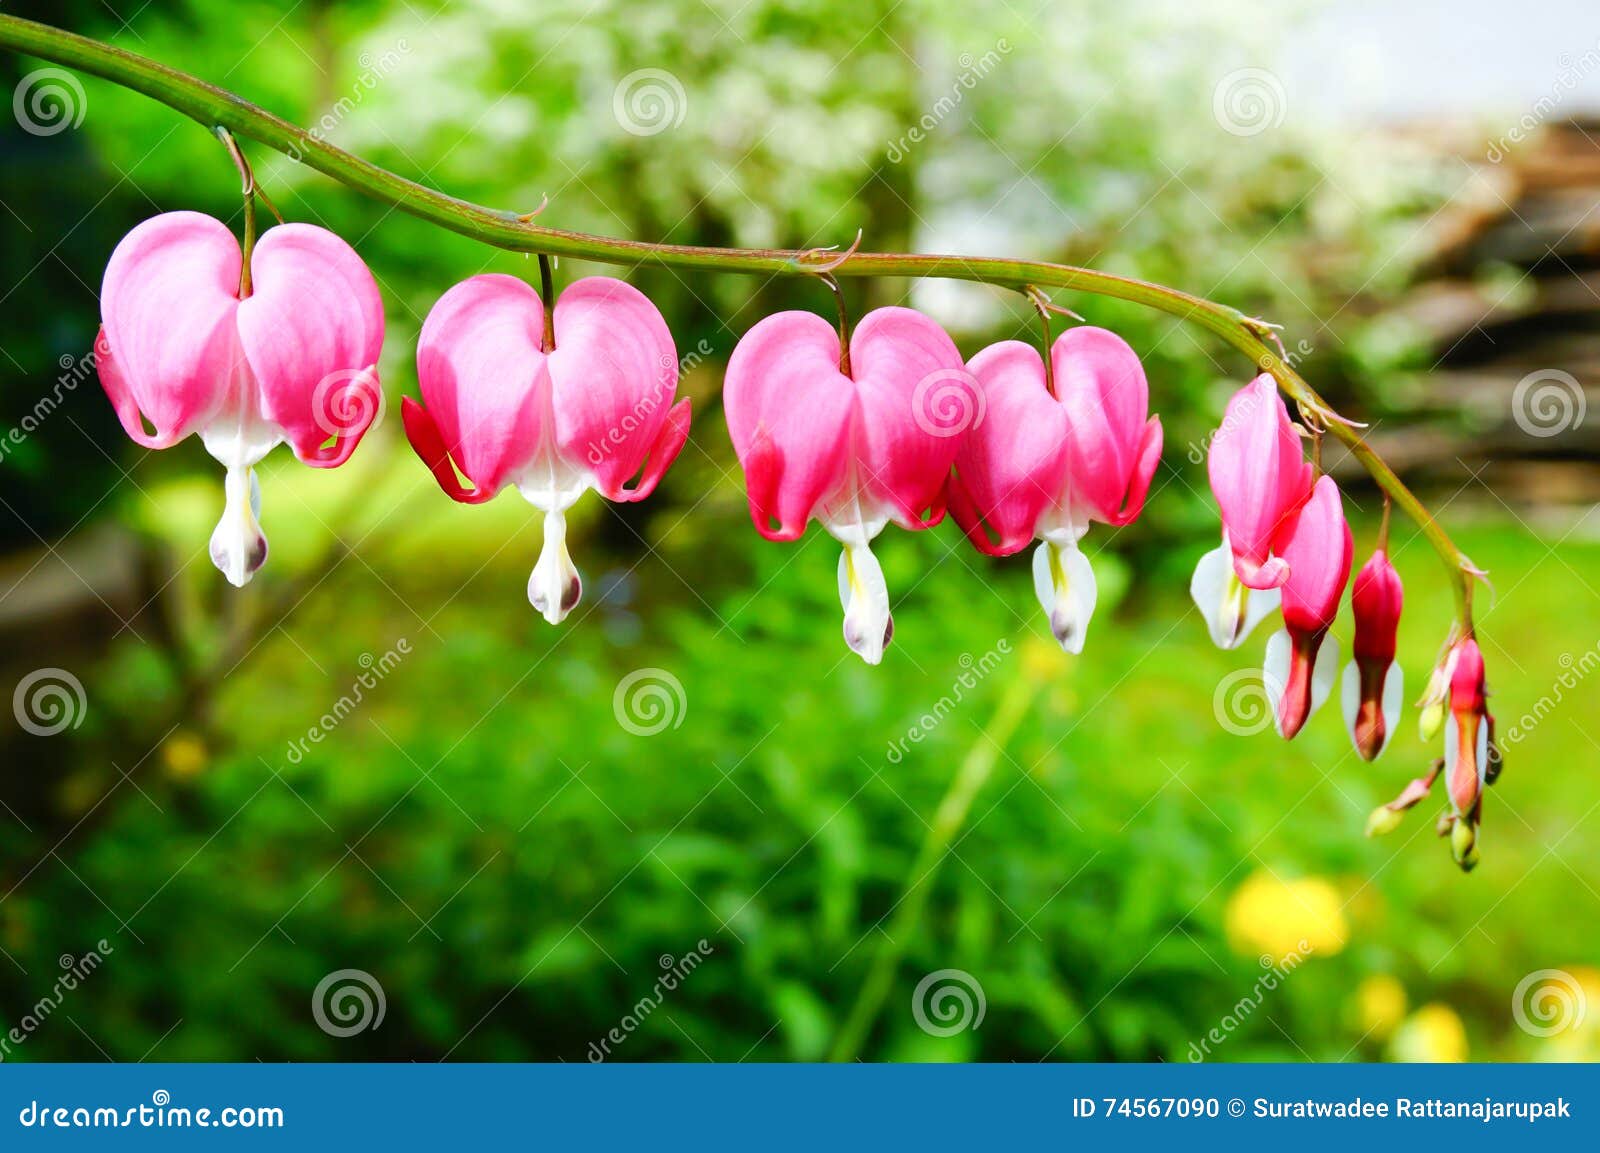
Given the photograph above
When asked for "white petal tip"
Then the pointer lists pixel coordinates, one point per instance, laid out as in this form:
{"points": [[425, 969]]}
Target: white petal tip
{"points": [[554, 588]]}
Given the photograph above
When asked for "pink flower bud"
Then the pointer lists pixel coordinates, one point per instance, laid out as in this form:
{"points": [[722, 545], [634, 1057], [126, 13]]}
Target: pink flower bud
{"points": [[1374, 686], [1259, 477]]}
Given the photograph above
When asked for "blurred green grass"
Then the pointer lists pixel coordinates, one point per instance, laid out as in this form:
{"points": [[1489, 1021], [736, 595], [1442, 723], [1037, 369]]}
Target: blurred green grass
{"points": [[484, 836]]}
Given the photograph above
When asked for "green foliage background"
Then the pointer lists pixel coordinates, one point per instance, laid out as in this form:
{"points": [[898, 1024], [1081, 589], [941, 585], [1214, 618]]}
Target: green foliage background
{"points": [[484, 837]]}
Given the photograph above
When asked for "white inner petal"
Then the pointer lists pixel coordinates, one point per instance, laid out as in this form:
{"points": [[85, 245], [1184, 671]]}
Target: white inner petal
{"points": [[1063, 580], [1231, 610]]}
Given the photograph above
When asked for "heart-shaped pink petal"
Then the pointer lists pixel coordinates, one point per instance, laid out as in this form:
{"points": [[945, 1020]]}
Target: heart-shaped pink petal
{"points": [[168, 347], [312, 329], [478, 363]]}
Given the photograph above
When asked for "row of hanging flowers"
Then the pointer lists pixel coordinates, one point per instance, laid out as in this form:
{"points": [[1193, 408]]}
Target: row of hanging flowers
{"points": [[854, 428]]}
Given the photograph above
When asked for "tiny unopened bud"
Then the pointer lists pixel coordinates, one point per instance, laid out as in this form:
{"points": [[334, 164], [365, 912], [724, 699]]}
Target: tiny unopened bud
{"points": [[1431, 719], [1384, 820]]}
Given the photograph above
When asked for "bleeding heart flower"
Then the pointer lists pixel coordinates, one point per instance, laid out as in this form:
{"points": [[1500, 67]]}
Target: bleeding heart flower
{"points": [[1044, 467], [1302, 660], [1231, 609], [1259, 477], [855, 449], [1373, 685], [555, 417], [1467, 748], [288, 354]]}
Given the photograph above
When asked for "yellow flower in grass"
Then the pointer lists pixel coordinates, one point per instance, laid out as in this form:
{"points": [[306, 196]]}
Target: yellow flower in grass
{"points": [[184, 755], [1273, 918], [1380, 1005], [1433, 1033]]}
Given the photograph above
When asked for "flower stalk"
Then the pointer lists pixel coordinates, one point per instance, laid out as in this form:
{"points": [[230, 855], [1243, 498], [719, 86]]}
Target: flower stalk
{"points": [[218, 109]]}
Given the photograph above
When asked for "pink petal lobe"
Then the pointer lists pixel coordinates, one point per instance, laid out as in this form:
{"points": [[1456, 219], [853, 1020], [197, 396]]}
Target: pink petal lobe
{"points": [[669, 443], [918, 402], [312, 329], [425, 440], [1102, 386], [1259, 477], [479, 365], [789, 412], [168, 301], [1013, 465], [614, 375], [1317, 545]]}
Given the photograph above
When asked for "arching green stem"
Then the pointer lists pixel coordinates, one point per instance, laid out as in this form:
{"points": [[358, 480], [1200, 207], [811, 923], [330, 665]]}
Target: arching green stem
{"points": [[215, 107]]}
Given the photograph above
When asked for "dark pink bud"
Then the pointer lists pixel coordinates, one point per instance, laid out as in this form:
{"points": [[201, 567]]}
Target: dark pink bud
{"points": [[1466, 734], [1372, 688]]}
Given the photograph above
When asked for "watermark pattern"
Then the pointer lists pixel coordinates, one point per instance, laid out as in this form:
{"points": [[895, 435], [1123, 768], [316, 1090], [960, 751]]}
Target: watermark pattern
{"points": [[947, 402], [1241, 703], [973, 69], [647, 405], [675, 971], [1574, 670], [376, 669], [347, 402], [649, 701], [1240, 412], [1548, 402], [1277, 970], [1248, 101], [1572, 73], [77, 970], [947, 1002], [973, 671], [374, 70], [49, 701], [159, 1114], [649, 101], [74, 371], [347, 1002], [49, 100], [1547, 1002]]}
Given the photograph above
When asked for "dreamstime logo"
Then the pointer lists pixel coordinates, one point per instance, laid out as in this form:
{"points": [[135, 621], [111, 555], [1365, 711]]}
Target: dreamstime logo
{"points": [[641, 416], [947, 1002], [1239, 410], [973, 69], [649, 101], [649, 701], [1277, 971], [74, 371], [1548, 402], [1248, 101], [948, 402], [674, 971], [75, 970], [48, 101], [347, 402], [1573, 672], [374, 669], [1547, 1002], [49, 701], [974, 670], [347, 1002], [374, 69], [1242, 704], [1571, 75]]}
